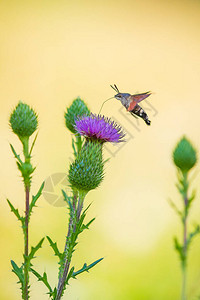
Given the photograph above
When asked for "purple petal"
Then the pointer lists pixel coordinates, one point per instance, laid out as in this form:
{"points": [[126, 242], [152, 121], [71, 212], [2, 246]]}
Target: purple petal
{"points": [[100, 128]]}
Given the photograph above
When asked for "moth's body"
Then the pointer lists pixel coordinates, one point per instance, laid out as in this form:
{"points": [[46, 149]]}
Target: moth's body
{"points": [[124, 98], [130, 102]]}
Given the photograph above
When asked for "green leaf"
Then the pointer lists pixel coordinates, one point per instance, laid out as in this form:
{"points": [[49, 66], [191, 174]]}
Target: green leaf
{"points": [[18, 271], [73, 147], [16, 212], [69, 275], [179, 249], [171, 203], [177, 245], [19, 166], [192, 197], [55, 248], [66, 197], [42, 278], [53, 294], [180, 189], [193, 234], [78, 142], [86, 268], [15, 154], [35, 198], [86, 209], [86, 226], [35, 249], [79, 226], [61, 256], [33, 144]]}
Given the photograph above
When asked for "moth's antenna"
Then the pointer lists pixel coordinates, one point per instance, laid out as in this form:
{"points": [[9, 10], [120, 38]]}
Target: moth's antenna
{"points": [[115, 88], [104, 103]]}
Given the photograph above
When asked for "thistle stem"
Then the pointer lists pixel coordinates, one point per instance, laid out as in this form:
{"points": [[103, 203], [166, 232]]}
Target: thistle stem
{"points": [[183, 291], [61, 282], [79, 208], [26, 238], [25, 142], [184, 259], [71, 220], [69, 247], [184, 262]]}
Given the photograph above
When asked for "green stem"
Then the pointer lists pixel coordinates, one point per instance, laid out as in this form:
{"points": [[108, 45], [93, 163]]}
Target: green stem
{"points": [[71, 220], [183, 291], [184, 259], [26, 238], [184, 262], [69, 252], [25, 142]]}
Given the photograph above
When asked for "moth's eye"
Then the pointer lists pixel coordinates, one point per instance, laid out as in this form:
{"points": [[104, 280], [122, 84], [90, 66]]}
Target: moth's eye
{"points": [[119, 96]]}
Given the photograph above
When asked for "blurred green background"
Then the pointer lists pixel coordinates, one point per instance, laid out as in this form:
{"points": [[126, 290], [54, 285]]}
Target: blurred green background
{"points": [[54, 51]]}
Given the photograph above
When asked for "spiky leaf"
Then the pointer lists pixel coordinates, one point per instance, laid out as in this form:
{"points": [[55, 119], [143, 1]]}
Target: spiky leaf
{"points": [[35, 198], [42, 278], [86, 268], [35, 249], [15, 154], [193, 234], [16, 212], [55, 248], [18, 271]]}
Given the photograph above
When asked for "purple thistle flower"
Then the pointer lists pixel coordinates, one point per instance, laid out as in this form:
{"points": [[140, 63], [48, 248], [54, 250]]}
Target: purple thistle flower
{"points": [[100, 128]]}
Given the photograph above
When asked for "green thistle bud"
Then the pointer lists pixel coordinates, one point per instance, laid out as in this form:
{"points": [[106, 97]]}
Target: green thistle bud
{"points": [[86, 172], [184, 155], [77, 109], [23, 120]]}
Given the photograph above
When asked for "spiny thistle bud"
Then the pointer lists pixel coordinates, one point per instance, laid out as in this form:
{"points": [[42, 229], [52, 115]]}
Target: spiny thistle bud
{"points": [[77, 109], [23, 120], [86, 172], [184, 155]]}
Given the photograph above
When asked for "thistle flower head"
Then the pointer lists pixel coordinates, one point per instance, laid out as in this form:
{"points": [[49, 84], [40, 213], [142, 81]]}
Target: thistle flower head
{"points": [[77, 109], [100, 128], [23, 120], [184, 155]]}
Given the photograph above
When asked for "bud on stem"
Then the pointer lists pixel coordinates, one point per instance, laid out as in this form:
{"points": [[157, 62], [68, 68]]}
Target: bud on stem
{"points": [[86, 172], [184, 155], [77, 109]]}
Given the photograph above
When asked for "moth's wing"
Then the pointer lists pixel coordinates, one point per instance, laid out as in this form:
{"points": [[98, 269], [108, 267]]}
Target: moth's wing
{"points": [[132, 105], [139, 97]]}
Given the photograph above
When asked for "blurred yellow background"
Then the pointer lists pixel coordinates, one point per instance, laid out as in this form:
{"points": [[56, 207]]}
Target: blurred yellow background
{"points": [[53, 51]]}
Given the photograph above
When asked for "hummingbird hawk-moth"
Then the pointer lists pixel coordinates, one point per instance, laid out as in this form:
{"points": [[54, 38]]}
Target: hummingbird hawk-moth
{"points": [[130, 102]]}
